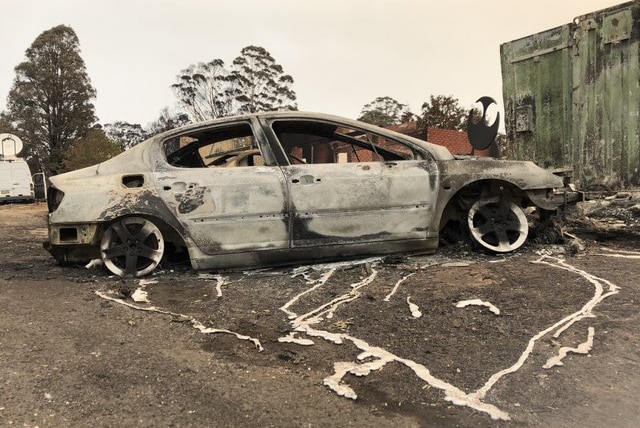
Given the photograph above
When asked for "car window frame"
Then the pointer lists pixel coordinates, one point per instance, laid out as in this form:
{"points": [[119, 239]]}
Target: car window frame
{"points": [[261, 142], [419, 153]]}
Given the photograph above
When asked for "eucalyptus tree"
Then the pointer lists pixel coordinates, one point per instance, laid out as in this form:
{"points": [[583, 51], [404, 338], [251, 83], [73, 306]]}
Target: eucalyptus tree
{"points": [[260, 83], [204, 91], [50, 102]]}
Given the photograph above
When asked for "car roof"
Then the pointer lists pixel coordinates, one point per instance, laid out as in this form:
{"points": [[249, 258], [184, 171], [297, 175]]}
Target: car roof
{"points": [[439, 151]]}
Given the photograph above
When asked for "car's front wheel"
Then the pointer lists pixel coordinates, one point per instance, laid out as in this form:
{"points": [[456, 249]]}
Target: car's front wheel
{"points": [[498, 224], [132, 246]]}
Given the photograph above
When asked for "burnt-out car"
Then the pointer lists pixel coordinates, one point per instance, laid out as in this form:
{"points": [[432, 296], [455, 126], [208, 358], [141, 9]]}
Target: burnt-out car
{"points": [[281, 188]]}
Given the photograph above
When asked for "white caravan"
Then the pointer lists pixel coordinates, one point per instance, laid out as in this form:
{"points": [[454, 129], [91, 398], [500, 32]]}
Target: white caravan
{"points": [[16, 183]]}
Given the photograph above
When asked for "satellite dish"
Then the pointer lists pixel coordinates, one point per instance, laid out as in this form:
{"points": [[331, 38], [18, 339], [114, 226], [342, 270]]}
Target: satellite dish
{"points": [[10, 145], [481, 133]]}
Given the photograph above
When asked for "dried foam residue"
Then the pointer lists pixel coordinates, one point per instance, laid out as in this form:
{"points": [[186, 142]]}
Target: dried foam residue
{"points": [[583, 348], [195, 323], [291, 338], [395, 287], [586, 311], [94, 263], [140, 295], [478, 302], [620, 254], [415, 309], [220, 281], [374, 358]]}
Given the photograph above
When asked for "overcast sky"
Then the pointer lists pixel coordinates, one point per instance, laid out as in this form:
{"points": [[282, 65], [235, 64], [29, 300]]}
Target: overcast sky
{"points": [[342, 54]]}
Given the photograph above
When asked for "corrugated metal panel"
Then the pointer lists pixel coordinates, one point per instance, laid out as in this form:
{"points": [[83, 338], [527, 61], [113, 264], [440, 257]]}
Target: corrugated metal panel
{"points": [[572, 96]]}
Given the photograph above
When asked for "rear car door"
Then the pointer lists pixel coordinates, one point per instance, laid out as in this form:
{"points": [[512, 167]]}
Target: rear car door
{"points": [[222, 187], [351, 186]]}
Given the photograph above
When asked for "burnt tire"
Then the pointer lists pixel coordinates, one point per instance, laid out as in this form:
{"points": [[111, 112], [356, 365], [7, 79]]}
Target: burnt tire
{"points": [[132, 247], [497, 224]]}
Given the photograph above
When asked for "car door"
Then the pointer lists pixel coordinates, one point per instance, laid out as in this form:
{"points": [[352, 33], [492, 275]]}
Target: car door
{"points": [[225, 192], [343, 189]]}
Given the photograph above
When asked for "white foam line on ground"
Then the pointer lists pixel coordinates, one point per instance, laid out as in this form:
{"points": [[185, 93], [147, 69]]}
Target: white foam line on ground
{"points": [[220, 281], [583, 348], [334, 265], [329, 308], [194, 323], [291, 338], [318, 283], [453, 394], [578, 317], [395, 287], [586, 310], [620, 251], [381, 357], [620, 256], [94, 263], [140, 295], [599, 295], [415, 309], [210, 330], [478, 302]]}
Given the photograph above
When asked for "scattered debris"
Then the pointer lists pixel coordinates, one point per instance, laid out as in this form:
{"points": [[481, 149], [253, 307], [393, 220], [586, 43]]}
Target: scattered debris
{"points": [[575, 244], [607, 218], [395, 259], [342, 325]]}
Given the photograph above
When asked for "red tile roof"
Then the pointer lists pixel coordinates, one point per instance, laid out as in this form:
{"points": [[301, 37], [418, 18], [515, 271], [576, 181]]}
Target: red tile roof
{"points": [[456, 142]]}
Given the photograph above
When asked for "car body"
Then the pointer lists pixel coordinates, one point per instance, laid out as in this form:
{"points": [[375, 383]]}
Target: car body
{"points": [[280, 188]]}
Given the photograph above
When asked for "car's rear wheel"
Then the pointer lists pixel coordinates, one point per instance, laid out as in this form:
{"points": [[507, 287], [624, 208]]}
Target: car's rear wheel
{"points": [[132, 246], [498, 224]]}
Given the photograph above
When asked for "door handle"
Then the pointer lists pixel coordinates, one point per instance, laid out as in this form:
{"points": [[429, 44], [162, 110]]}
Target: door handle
{"points": [[305, 179]]}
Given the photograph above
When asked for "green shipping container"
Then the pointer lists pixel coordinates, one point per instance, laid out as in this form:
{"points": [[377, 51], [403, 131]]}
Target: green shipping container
{"points": [[572, 97]]}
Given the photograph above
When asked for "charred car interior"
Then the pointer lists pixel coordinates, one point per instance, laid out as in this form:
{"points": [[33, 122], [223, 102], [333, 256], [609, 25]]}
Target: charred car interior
{"points": [[281, 188]]}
